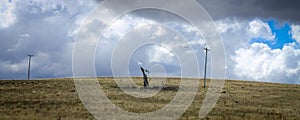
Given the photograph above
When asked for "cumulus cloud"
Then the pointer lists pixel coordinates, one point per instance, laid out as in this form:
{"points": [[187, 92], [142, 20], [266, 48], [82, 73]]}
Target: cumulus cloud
{"points": [[7, 15], [48, 30], [252, 28], [41, 28], [296, 32], [138, 29], [260, 29], [259, 62]]}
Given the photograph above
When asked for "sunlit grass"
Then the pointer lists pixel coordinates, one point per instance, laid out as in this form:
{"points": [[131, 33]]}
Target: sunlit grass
{"points": [[58, 99]]}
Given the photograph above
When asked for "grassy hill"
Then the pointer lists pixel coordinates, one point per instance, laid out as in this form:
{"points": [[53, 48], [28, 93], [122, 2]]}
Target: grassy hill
{"points": [[58, 99]]}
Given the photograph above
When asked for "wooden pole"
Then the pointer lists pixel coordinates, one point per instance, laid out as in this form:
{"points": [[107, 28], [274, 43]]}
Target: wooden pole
{"points": [[28, 72], [205, 65]]}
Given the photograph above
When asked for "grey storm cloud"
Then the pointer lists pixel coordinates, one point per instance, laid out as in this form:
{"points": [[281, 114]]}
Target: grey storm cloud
{"points": [[281, 10], [285, 10], [43, 29]]}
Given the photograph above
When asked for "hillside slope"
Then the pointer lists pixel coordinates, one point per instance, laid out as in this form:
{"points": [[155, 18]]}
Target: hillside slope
{"points": [[58, 99]]}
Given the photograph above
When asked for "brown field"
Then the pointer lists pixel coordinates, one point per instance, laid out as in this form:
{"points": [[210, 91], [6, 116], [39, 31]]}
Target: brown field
{"points": [[58, 99]]}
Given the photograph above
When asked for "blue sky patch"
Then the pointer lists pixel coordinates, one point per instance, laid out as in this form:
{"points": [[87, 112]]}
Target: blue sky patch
{"points": [[282, 37]]}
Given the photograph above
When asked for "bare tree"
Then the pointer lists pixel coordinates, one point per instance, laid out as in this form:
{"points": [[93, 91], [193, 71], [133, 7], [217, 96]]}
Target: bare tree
{"points": [[146, 84]]}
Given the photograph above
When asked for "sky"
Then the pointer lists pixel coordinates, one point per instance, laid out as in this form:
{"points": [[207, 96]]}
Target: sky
{"points": [[261, 39]]}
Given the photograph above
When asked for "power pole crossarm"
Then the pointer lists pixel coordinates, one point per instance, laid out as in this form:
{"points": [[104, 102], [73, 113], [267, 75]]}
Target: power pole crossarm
{"points": [[28, 75]]}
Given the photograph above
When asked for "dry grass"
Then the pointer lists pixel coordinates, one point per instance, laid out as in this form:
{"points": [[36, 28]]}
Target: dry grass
{"points": [[57, 99]]}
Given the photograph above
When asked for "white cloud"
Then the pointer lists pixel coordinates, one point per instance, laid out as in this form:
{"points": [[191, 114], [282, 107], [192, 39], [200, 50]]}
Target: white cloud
{"points": [[259, 29], [235, 33], [44, 63], [25, 35], [43, 28], [57, 6], [259, 62], [228, 25], [13, 67], [296, 32], [7, 15], [159, 32], [160, 54], [53, 50], [125, 24], [21, 40]]}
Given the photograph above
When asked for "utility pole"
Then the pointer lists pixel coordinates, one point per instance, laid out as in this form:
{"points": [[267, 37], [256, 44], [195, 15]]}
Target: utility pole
{"points": [[206, 49], [28, 75]]}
